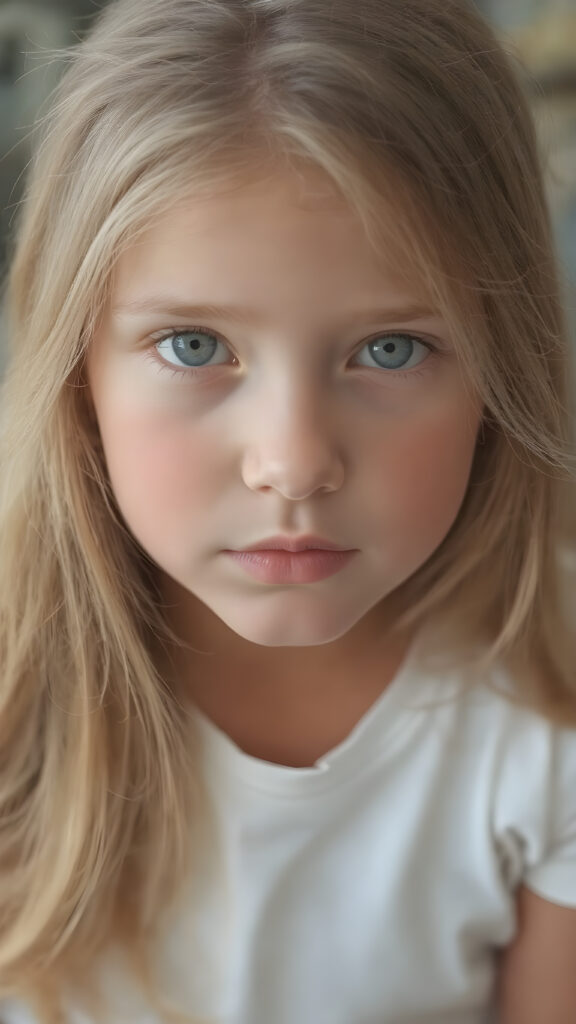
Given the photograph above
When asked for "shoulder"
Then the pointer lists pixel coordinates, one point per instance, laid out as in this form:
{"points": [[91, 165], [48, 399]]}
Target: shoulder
{"points": [[526, 766]]}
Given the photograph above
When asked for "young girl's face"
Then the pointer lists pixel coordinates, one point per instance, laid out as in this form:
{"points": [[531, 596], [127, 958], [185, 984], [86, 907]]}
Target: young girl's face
{"points": [[259, 371]]}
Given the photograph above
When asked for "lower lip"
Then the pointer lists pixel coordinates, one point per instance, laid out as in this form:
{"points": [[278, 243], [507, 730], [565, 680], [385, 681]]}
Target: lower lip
{"points": [[287, 567]]}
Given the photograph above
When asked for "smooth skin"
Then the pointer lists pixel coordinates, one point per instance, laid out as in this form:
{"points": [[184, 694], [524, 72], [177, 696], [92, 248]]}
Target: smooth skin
{"points": [[538, 971]]}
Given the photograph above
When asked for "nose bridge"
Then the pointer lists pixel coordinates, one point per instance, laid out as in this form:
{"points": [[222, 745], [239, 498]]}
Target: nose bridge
{"points": [[300, 396], [292, 388]]}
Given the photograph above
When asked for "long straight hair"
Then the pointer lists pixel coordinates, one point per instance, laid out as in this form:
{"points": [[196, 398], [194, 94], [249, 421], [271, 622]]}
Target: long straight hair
{"points": [[404, 103]]}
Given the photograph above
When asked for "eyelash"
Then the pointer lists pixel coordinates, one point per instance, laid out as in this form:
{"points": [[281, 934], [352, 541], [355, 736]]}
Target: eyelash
{"points": [[173, 332]]}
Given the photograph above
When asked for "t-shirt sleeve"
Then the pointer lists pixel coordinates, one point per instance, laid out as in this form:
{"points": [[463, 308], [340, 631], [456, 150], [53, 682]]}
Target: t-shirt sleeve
{"points": [[552, 874]]}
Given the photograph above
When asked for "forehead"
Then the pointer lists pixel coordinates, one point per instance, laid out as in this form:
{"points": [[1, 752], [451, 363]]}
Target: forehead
{"points": [[289, 225]]}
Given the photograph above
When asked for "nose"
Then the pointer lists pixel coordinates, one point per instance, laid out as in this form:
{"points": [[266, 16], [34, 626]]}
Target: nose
{"points": [[292, 445]]}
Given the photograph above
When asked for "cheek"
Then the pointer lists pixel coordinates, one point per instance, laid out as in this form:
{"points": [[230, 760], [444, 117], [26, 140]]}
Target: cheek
{"points": [[159, 473], [425, 468]]}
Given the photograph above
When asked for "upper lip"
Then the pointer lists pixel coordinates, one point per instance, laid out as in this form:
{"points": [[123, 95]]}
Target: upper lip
{"points": [[294, 544]]}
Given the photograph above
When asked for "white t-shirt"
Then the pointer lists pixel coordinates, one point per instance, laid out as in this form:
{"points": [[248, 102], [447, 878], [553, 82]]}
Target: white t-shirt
{"points": [[377, 886]]}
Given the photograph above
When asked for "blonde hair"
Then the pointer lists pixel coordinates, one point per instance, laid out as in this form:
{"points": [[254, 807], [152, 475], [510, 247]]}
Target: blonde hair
{"points": [[102, 805]]}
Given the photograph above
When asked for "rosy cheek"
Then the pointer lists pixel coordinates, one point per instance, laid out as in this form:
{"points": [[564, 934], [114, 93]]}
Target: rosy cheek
{"points": [[424, 474], [153, 464]]}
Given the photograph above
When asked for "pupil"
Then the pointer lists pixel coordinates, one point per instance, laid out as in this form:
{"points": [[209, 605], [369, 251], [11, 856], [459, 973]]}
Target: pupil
{"points": [[390, 347], [194, 343]]}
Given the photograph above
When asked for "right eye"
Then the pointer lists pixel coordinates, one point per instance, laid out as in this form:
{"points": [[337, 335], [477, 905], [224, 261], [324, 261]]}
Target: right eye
{"points": [[189, 349]]}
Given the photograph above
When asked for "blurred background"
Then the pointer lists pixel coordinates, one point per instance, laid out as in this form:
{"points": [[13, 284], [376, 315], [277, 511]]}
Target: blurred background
{"points": [[542, 33]]}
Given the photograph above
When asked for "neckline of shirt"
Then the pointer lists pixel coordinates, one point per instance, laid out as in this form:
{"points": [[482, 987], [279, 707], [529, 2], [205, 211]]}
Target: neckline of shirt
{"points": [[373, 739]]}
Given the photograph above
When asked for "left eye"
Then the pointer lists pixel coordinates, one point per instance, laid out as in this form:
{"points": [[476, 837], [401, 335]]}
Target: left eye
{"points": [[397, 351]]}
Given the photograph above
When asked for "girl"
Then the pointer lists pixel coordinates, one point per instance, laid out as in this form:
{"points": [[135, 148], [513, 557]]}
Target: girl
{"points": [[284, 282]]}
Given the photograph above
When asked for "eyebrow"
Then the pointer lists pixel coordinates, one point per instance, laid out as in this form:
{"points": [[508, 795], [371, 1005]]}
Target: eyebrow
{"points": [[170, 307]]}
